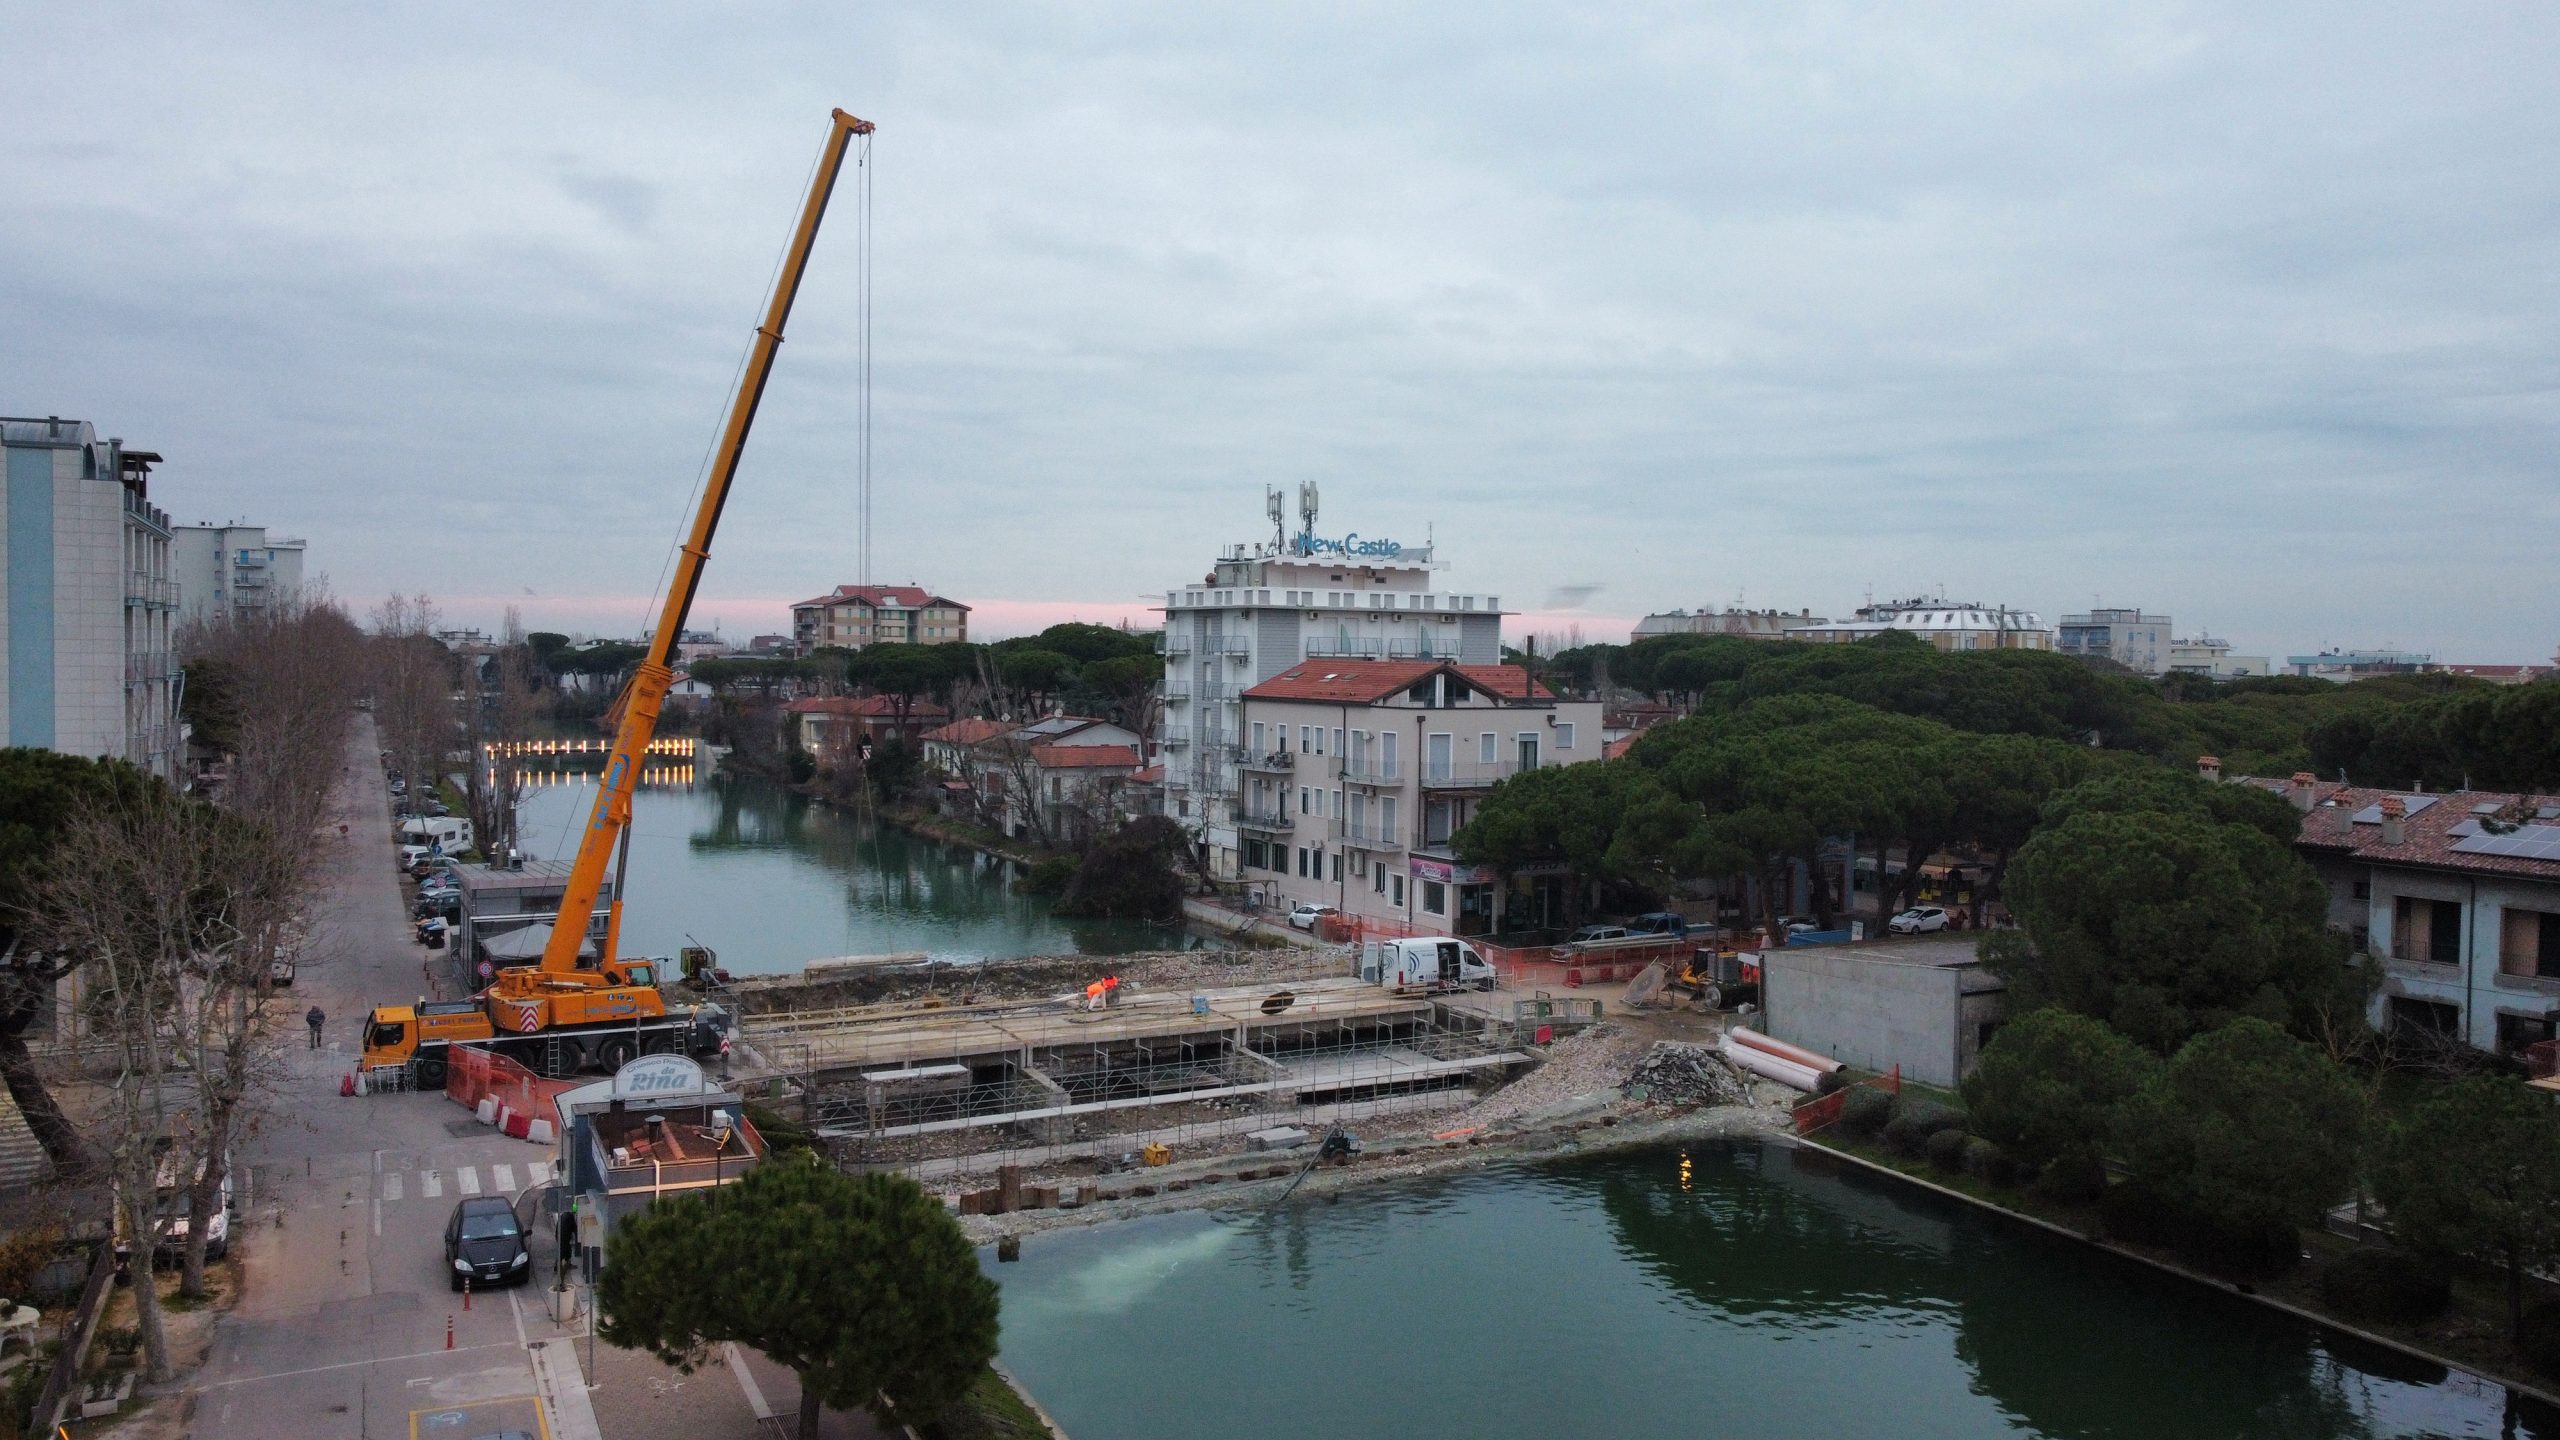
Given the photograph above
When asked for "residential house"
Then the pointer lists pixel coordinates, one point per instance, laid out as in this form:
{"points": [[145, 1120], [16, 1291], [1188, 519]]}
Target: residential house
{"points": [[1075, 790], [1356, 773], [850, 617], [829, 727], [1749, 624], [2457, 895], [2346, 665], [2140, 642]]}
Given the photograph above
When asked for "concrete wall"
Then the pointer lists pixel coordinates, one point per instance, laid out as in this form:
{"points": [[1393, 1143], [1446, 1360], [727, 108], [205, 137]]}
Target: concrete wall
{"points": [[1876, 1014]]}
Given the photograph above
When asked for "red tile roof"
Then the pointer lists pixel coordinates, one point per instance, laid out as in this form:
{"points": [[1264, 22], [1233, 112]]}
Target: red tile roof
{"points": [[1152, 775], [2426, 838], [1618, 747], [1364, 682], [902, 597], [976, 730], [1084, 757]]}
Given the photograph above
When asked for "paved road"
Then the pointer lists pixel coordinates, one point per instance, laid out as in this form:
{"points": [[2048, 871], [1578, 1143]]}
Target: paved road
{"points": [[341, 1328]]}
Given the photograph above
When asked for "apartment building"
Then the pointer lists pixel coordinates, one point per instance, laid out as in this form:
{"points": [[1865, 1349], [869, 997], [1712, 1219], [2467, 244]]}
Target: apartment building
{"points": [[1749, 624], [1264, 607], [2138, 641], [2456, 894], [1356, 773], [2344, 666], [87, 600], [235, 570], [2204, 655], [1947, 625], [850, 617]]}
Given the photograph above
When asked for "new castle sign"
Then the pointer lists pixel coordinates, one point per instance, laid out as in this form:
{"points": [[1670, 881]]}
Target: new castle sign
{"points": [[1309, 543]]}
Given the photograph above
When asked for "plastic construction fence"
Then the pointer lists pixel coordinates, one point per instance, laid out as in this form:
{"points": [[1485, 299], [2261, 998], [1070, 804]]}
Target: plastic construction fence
{"points": [[472, 1075], [1821, 1110]]}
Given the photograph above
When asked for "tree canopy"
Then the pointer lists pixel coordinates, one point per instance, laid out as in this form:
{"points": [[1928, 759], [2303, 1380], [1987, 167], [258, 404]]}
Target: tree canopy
{"points": [[2473, 1169], [862, 1285], [2050, 1083], [2245, 1130], [2165, 922]]}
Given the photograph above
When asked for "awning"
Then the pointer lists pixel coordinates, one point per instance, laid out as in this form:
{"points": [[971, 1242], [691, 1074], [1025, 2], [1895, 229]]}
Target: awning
{"points": [[528, 944]]}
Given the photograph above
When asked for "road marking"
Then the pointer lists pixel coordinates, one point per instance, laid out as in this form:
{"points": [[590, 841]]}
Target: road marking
{"points": [[430, 1184], [518, 1311], [391, 1186], [746, 1382], [468, 1179], [502, 1178], [354, 1364]]}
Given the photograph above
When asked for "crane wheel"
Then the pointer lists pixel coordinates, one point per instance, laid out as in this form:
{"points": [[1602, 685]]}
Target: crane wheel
{"points": [[658, 1044], [613, 1054], [573, 1058], [431, 1073]]}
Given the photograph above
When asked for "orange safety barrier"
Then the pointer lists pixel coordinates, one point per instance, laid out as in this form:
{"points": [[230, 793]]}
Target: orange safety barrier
{"points": [[472, 1075], [1822, 1110]]}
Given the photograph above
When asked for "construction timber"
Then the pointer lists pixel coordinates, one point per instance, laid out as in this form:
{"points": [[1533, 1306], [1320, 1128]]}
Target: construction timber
{"points": [[1045, 1066]]}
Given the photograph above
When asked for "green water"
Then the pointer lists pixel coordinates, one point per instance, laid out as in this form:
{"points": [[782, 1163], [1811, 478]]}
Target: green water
{"points": [[1755, 1293], [772, 880]]}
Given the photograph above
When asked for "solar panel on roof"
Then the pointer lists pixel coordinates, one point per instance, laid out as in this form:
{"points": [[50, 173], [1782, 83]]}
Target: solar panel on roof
{"points": [[2548, 812], [2372, 814], [2487, 807], [2533, 842], [2467, 827]]}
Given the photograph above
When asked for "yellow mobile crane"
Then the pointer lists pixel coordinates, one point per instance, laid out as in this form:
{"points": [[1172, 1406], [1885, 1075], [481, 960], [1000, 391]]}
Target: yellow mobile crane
{"points": [[561, 1016]]}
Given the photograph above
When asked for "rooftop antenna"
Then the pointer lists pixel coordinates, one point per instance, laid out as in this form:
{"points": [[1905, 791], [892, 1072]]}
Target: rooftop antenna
{"points": [[1307, 504], [1278, 507]]}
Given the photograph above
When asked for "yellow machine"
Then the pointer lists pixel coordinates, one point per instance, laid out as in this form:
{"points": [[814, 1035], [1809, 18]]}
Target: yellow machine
{"points": [[567, 1013]]}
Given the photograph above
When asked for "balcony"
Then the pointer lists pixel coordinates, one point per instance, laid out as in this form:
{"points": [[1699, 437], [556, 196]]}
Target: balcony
{"points": [[1213, 691], [1373, 772], [1321, 647], [1177, 697], [1278, 761], [1468, 775], [1176, 737], [1177, 645], [2417, 949], [1432, 842], [144, 666], [1255, 818], [1422, 649], [1232, 647], [143, 590], [1370, 835]]}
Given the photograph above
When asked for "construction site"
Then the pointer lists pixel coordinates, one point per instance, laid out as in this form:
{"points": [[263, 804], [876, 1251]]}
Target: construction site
{"points": [[1050, 1059]]}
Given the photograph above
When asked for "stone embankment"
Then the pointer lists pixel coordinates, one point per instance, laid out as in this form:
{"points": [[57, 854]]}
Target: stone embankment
{"points": [[1031, 978]]}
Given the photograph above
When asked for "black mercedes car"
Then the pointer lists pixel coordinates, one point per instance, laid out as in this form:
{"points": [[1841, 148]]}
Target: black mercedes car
{"points": [[484, 1243]]}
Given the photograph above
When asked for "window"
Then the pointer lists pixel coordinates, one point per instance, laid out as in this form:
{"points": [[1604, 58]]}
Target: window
{"points": [[1395, 891], [1488, 748], [1302, 862], [1307, 739], [1387, 752], [1337, 867], [1435, 897], [1378, 879], [2362, 890], [1564, 734], [1257, 739], [1305, 807], [1437, 763], [1386, 817], [1337, 740]]}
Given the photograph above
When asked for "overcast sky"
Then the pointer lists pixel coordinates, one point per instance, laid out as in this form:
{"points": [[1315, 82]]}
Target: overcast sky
{"points": [[2249, 314]]}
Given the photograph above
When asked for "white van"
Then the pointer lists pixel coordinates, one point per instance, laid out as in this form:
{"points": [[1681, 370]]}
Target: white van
{"points": [[451, 832], [1425, 962]]}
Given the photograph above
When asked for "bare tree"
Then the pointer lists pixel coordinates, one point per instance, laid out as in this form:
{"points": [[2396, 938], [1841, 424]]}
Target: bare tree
{"points": [[412, 676], [506, 701]]}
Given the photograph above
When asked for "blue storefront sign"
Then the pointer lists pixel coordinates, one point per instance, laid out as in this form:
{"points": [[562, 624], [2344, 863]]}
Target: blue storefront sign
{"points": [[1350, 546]]}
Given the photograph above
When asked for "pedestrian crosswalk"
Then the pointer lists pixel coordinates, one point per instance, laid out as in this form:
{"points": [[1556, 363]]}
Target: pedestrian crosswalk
{"points": [[500, 1179]]}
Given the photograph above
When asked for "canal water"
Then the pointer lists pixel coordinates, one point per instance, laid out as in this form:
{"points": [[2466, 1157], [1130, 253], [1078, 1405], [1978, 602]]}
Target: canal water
{"points": [[1734, 1290], [772, 880]]}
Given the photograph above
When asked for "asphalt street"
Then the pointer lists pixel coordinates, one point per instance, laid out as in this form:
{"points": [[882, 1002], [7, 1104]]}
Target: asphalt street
{"points": [[342, 1325]]}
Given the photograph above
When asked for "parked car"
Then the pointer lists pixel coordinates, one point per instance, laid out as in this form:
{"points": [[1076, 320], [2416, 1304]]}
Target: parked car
{"points": [[484, 1243], [1920, 920], [1592, 934], [1660, 922], [1305, 916]]}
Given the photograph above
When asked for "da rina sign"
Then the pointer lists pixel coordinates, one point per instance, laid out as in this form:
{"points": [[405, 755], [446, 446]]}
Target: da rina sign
{"points": [[652, 1076]]}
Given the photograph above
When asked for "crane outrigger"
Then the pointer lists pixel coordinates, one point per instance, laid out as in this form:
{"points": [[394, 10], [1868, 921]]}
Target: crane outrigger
{"points": [[564, 1013]]}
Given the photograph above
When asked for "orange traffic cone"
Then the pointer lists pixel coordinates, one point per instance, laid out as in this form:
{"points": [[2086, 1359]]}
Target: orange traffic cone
{"points": [[347, 1083]]}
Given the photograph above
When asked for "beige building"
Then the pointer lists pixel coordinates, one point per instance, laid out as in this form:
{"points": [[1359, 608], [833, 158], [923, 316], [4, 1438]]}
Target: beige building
{"points": [[850, 617], [1356, 773], [1749, 624], [1948, 625]]}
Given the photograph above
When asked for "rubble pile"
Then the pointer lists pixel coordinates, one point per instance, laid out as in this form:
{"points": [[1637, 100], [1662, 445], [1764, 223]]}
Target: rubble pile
{"points": [[1675, 1074]]}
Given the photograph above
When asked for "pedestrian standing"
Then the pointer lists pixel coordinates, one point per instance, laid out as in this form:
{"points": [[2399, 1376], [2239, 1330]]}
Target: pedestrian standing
{"points": [[315, 1019]]}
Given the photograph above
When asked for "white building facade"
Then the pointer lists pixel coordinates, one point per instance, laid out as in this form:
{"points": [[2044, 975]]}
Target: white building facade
{"points": [[1968, 625], [87, 602], [1357, 772], [1265, 607], [2138, 641], [233, 570]]}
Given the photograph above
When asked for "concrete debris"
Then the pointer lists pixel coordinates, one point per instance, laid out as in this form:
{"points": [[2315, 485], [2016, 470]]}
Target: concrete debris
{"points": [[1672, 1073]]}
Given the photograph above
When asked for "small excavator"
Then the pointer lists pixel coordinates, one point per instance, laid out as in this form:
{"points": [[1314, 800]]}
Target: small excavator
{"points": [[568, 1013]]}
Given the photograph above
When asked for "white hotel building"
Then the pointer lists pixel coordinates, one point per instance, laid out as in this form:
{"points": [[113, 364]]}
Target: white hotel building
{"points": [[1264, 608]]}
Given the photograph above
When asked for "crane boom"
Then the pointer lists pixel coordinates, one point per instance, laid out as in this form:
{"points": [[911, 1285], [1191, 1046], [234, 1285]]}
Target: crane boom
{"points": [[647, 692]]}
